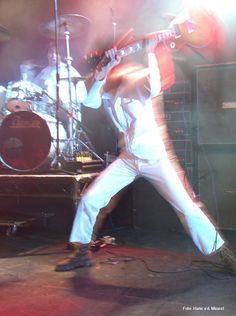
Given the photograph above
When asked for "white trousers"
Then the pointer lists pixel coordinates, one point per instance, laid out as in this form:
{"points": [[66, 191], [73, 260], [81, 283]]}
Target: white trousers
{"points": [[164, 178]]}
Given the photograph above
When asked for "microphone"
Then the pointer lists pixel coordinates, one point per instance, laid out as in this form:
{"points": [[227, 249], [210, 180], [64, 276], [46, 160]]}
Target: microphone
{"points": [[113, 17], [114, 24]]}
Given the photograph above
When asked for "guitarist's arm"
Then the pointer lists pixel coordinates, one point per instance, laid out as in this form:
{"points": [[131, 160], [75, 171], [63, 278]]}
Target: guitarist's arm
{"points": [[153, 68], [93, 99]]}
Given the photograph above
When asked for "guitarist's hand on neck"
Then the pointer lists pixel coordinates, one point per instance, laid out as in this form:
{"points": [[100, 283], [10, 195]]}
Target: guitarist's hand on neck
{"points": [[110, 60]]}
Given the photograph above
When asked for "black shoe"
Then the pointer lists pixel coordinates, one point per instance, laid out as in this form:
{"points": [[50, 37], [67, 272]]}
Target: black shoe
{"points": [[95, 245], [80, 258], [228, 259]]}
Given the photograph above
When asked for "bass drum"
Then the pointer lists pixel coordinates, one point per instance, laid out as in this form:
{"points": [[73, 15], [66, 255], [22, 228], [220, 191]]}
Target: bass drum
{"points": [[27, 140]]}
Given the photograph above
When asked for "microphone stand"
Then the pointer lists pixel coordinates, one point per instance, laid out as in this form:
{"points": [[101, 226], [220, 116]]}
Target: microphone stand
{"points": [[69, 59], [114, 24], [56, 162]]}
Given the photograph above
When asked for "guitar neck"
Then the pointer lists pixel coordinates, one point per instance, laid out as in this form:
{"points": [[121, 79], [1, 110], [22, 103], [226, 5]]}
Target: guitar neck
{"points": [[137, 45], [131, 48], [160, 36], [190, 32]]}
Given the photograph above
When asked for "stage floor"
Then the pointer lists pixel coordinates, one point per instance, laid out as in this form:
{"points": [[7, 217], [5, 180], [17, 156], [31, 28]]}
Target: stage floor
{"points": [[145, 273]]}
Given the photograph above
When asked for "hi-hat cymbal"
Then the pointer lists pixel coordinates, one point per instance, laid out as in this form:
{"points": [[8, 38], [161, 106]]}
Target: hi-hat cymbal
{"points": [[75, 24], [4, 34], [30, 63]]}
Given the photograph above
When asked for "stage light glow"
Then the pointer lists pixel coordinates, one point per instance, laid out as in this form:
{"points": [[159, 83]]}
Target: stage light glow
{"points": [[219, 7]]}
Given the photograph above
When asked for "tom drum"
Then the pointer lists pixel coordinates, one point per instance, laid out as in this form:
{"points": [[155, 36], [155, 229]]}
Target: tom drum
{"points": [[20, 95]]}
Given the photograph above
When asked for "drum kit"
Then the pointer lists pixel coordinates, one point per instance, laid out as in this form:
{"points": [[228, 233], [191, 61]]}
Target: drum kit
{"points": [[31, 137]]}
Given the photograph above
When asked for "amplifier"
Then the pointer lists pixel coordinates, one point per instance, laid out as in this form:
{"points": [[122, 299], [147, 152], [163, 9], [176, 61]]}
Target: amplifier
{"points": [[177, 116], [178, 96], [184, 156], [216, 104], [179, 132], [179, 124], [181, 104], [179, 88]]}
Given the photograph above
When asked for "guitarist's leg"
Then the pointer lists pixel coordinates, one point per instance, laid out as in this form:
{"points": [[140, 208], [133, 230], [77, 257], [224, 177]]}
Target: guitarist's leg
{"points": [[202, 230]]}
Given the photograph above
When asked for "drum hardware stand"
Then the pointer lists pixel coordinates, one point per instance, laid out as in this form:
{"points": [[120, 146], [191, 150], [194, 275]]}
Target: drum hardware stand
{"points": [[54, 29], [72, 119], [68, 60], [90, 150], [81, 130], [57, 161], [88, 147], [76, 135]]}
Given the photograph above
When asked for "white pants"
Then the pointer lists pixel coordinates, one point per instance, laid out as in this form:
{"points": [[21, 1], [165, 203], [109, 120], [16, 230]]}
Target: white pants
{"points": [[164, 178]]}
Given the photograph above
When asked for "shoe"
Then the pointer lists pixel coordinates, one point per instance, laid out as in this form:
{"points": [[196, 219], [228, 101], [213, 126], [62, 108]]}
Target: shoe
{"points": [[95, 245], [80, 258], [228, 259]]}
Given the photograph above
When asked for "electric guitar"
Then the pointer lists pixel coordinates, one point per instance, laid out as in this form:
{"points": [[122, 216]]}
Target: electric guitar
{"points": [[196, 31]]}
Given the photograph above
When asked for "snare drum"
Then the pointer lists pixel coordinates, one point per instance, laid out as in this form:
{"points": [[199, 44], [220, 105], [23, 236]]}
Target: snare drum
{"points": [[28, 141]]}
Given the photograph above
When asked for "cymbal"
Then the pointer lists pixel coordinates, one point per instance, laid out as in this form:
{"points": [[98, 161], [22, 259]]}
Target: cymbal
{"points": [[4, 34], [29, 64], [75, 24]]}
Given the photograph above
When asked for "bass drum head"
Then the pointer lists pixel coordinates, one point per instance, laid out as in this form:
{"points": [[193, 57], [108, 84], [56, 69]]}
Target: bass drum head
{"points": [[25, 141]]}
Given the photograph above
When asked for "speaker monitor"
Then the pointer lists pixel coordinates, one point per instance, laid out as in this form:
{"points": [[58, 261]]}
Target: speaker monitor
{"points": [[216, 104], [217, 183]]}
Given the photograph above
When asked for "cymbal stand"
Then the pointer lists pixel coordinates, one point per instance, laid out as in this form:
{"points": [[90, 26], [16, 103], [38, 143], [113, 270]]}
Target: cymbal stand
{"points": [[81, 126], [86, 143], [68, 60], [56, 162], [72, 119]]}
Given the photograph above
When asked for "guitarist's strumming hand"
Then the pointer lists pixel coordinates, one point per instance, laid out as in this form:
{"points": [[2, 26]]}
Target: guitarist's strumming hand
{"points": [[110, 60]]}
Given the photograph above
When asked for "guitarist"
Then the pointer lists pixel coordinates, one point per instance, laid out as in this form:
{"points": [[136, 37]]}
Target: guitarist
{"points": [[126, 91]]}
